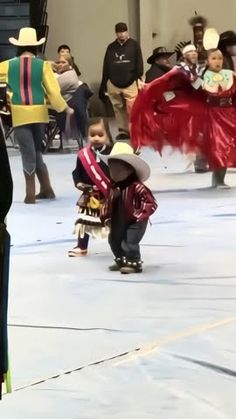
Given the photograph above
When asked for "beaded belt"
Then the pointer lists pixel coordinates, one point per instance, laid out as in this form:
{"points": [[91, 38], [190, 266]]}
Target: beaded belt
{"points": [[224, 102]]}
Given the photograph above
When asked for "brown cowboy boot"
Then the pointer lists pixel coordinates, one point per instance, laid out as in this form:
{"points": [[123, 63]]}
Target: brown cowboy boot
{"points": [[46, 191], [30, 188]]}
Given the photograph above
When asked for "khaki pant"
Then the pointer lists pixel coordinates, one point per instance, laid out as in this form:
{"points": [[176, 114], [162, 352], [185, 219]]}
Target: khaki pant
{"points": [[122, 100]]}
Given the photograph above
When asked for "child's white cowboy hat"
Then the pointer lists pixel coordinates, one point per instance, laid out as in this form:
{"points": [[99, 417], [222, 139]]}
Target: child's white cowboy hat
{"points": [[27, 37], [125, 153]]}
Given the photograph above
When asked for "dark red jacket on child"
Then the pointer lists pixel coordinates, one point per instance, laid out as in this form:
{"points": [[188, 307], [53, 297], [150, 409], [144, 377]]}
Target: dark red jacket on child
{"points": [[138, 203]]}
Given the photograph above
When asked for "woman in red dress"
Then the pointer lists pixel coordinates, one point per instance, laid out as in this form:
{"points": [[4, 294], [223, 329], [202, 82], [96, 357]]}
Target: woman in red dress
{"points": [[193, 118]]}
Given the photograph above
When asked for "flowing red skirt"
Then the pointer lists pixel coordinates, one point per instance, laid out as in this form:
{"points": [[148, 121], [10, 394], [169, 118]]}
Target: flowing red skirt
{"points": [[186, 122]]}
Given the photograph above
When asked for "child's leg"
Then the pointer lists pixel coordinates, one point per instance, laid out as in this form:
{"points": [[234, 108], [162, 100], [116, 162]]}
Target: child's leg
{"points": [[81, 248], [131, 248], [115, 239], [83, 242]]}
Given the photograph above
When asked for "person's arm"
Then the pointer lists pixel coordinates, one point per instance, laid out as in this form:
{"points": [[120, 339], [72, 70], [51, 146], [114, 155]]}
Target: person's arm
{"points": [[105, 75], [52, 89], [4, 71], [139, 62], [76, 174], [148, 203], [149, 76], [78, 177], [68, 82], [75, 67]]}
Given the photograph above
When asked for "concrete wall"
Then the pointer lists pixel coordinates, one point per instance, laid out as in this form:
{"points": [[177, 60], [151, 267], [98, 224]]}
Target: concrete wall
{"points": [[169, 19], [87, 26]]}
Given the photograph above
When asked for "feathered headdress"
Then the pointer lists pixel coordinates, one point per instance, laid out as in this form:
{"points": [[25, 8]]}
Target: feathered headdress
{"points": [[198, 21], [179, 47]]}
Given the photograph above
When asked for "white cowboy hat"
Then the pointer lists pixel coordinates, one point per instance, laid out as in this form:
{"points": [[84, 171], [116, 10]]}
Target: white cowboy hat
{"points": [[27, 37], [188, 48], [211, 39], [123, 152]]}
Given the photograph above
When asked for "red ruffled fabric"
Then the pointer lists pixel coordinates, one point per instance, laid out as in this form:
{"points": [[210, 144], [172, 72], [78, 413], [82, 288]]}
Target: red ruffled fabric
{"points": [[186, 122], [220, 132]]}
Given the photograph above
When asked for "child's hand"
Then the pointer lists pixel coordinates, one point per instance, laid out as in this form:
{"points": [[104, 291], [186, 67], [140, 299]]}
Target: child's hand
{"points": [[84, 187], [69, 111], [107, 223], [80, 186], [141, 84]]}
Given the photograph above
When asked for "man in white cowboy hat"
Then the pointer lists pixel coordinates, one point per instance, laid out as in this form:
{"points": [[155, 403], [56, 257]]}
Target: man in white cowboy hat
{"points": [[128, 207], [31, 83]]}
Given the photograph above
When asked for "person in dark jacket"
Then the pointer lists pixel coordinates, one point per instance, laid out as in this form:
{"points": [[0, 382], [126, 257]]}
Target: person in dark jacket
{"points": [[128, 207], [160, 64], [5, 179], [122, 68], [227, 45], [6, 191]]}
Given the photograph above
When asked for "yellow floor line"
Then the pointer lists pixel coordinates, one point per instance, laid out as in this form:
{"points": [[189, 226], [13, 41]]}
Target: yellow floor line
{"points": [[166, 340]]}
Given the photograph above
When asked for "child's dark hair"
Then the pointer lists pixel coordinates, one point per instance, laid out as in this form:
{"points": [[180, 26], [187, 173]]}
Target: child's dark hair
{"points": [[63, 46], [98, 120]]}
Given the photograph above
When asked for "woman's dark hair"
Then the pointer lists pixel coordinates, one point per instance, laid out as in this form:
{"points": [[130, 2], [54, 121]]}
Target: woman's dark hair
{"points": [[29, 48], [204, 71], [98, 120], [63, 46]]}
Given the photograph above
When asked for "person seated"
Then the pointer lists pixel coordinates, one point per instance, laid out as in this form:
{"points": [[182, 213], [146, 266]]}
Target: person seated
{"points": [[74, 92], [67, 77], [65, 51]]}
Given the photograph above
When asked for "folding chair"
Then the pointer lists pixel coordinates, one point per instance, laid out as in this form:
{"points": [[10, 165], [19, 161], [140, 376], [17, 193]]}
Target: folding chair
{"points": [[54, 131]]}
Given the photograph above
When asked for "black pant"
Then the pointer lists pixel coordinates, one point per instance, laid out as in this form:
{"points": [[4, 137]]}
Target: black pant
{"points": [[6, 185], [83, 242], [125, 241]]}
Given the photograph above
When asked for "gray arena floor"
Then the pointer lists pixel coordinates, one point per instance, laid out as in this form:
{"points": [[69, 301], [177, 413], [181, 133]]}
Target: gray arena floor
{"points": [[89, 344]]}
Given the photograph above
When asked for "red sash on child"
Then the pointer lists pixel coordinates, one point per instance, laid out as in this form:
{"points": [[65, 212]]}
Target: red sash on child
{"points": [[94, 171]]}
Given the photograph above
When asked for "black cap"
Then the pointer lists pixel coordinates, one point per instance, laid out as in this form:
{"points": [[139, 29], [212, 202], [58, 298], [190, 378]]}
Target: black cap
{"points": [[121, 27]]}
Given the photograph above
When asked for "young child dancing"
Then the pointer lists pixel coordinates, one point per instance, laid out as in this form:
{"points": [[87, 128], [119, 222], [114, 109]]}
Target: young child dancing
{"points": [[91, 176], [128, 207]]}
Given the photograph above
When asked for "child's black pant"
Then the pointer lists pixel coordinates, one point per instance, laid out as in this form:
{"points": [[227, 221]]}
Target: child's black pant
{"points": [[124, 240], [83, 242]]}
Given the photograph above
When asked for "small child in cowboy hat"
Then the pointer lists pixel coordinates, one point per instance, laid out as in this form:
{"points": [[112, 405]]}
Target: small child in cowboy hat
{"points": [[128, 207]]}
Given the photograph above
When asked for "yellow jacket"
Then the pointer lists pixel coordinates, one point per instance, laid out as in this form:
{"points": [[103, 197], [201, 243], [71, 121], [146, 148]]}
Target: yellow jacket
{"points": [[32, 84]]}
